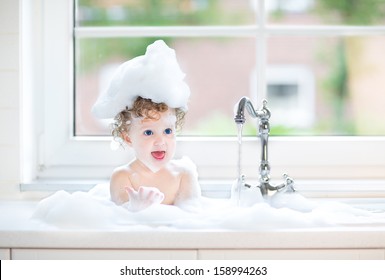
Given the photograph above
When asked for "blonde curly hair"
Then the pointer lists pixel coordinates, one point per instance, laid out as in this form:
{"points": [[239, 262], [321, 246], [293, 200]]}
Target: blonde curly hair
{"points": [[145, 108]]}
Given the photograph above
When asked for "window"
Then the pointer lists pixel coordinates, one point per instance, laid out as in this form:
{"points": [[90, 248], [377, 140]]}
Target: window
{"points": [[320, 70], [291, 96]]}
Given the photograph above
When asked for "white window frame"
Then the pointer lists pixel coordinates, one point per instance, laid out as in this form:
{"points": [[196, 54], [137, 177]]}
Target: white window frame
{"points": [[57, 154]]}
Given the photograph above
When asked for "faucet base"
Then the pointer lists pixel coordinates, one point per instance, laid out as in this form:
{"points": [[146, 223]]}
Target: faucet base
{"points": [[288, 186]]}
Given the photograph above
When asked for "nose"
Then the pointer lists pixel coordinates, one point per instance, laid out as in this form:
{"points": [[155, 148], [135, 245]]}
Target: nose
{"points": [[159, 141]]}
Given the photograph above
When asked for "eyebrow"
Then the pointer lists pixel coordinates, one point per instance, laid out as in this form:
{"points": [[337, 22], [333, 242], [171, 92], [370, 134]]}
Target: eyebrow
{"points": [[150, 125]]}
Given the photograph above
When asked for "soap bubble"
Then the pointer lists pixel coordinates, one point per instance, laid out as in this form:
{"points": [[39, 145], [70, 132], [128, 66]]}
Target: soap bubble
{"points": [[94, 209]]}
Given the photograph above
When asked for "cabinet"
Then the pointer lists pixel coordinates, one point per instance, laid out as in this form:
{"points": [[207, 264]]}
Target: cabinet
{"points": [[294, 254], [201, 254], [102, 254]]}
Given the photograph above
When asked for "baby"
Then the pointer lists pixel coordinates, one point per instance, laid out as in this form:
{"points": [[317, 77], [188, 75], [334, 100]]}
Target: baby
{"points": [[148, 99]]}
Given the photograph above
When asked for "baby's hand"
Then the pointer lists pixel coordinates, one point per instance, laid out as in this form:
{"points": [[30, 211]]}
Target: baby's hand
{"points": [[143, 198]]}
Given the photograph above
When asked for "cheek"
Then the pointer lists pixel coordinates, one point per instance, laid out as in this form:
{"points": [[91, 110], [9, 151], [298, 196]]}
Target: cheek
{"points": [[171, 143], [141, 145]]}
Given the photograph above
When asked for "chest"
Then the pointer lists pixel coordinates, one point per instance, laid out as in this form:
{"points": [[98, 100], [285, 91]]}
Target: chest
{"points": [[167, 182]]}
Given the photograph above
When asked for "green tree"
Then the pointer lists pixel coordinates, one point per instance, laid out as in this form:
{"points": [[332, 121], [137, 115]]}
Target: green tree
{"points": [[352, 12], [349, 12], [93, 52]]}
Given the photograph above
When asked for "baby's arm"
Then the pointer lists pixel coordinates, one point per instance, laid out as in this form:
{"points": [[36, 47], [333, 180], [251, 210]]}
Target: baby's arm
{"points": [[189, 190], [118, 184]]}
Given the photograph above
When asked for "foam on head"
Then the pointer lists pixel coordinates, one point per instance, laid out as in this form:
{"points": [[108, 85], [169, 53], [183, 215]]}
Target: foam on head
{"points": [[156, 75]]}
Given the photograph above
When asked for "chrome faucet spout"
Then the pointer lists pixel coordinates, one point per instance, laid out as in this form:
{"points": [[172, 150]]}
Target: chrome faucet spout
{"points": [[245, 102], [263, 114], [239, 117]]}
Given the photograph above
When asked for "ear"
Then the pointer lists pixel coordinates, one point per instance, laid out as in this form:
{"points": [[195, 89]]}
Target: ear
{"points": [[127, 139]]}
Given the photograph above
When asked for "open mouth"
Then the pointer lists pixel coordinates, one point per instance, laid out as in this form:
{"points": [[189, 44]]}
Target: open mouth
{"points": [[158, 154]]}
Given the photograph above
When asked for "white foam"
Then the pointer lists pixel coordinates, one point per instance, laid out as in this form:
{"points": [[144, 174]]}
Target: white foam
{"points": [[156, 75], [94, 209]]}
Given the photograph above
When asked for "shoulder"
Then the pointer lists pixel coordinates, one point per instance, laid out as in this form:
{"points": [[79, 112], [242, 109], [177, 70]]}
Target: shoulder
{"points": [[121, 173], [189, 183], [185, 166]]}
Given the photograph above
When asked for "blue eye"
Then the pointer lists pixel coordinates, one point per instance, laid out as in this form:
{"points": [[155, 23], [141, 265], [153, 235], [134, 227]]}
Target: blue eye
{"points": [[148, 132], [168, 131]]}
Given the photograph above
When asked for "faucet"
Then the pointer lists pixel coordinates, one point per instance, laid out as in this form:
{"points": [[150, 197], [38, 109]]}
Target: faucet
{"points": [[263, 114]]}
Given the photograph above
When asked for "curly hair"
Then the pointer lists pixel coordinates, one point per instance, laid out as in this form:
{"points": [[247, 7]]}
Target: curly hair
{"points": [[145, 108]]}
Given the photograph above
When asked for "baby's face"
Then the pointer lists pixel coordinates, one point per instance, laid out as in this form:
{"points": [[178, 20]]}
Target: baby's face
{"points": [[154, 141]]}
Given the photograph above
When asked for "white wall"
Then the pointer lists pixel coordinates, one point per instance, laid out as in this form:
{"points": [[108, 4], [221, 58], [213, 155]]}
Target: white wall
{"points": [[10, 97]]}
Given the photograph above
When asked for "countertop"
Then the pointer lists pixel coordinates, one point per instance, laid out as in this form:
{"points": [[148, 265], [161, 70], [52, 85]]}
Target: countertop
{"points": [[18, 230]]}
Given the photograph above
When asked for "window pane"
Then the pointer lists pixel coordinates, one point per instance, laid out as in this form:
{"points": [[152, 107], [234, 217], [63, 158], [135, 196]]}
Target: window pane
{"points": [[332, 86], [326, 12], [219, 72], [164, 12]]}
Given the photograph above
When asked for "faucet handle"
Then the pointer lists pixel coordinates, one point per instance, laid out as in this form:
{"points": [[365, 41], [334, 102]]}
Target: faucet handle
{"points": [[263, 113], [289, 184], [264, 103], [242, 182]]}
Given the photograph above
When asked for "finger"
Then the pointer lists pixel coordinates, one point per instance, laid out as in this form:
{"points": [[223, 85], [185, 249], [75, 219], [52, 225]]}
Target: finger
{"points": [[158, 197], [151, 195], [161, 197], [130, 191], [141, 190]]}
